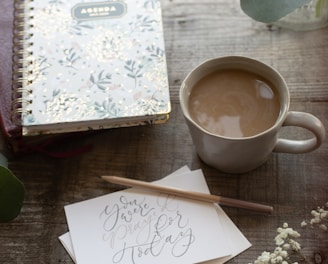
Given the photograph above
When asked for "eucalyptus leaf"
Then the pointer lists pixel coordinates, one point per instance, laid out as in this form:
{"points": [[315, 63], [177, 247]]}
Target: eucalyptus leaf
{"points": [[321, 6], [268, 11], [3, 161], [12, 192]]}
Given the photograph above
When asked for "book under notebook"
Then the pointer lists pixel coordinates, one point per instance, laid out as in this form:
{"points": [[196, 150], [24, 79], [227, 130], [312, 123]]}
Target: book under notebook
{"points": [[82, 65]]}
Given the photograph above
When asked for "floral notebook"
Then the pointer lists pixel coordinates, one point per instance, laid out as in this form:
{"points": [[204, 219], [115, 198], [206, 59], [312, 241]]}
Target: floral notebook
{"points": [[90, 64]]}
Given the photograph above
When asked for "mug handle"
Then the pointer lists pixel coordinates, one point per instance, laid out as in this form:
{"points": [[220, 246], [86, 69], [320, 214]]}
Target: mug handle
{"points": [[307, 121]]}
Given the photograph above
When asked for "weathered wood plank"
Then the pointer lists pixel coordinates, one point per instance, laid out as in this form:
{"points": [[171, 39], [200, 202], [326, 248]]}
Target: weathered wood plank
{"points": [[194, 31]]}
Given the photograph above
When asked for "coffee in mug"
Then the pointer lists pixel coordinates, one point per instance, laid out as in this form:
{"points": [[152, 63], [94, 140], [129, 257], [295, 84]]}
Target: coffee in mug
{"points": [[235, 106], [234, 103]]}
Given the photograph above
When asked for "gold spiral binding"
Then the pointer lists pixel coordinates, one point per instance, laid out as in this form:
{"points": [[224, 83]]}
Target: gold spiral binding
{"points": [[21, 36]]}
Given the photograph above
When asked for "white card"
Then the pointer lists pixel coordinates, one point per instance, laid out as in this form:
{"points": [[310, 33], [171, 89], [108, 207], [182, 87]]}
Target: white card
{"points": [[203, 235]]}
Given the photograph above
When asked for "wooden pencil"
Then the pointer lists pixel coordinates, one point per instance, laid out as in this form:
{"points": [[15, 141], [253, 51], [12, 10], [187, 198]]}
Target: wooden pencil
{"points": [[224, 201]]}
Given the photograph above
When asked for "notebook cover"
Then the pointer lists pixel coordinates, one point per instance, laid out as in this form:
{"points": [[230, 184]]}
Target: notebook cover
{"points": [[92, 65]]}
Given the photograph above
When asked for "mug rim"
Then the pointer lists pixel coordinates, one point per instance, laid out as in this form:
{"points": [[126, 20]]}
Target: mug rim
{"points": [[236, 59]]}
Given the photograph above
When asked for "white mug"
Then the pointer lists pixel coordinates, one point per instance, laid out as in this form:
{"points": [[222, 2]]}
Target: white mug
{"points": [[240, 155]]}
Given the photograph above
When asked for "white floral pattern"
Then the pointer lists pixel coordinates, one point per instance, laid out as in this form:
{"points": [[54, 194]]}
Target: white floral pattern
{"points": [[94, 70]]}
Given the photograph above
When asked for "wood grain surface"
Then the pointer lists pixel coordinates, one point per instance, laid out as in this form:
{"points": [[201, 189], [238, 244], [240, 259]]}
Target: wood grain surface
{"points": [[194, 31]]}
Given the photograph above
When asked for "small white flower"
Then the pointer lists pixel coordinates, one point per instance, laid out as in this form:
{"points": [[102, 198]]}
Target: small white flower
{"points": [[295, 245], [279, 241], [264, 258], [286, 246], [279, 259], [284, 254], [315, 213], [316, 220], [291, 232], [277, 250]]}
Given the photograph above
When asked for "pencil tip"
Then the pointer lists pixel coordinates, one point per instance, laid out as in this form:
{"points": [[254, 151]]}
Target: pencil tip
{"points": [[107, 178]]}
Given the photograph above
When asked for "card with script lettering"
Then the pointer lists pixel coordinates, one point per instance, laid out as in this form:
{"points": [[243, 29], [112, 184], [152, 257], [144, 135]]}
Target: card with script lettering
{"points": [[134, 226], [234, 237]]}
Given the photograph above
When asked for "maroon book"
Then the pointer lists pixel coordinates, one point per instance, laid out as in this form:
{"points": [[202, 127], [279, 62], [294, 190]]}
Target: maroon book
{"points": [[10, 129]]}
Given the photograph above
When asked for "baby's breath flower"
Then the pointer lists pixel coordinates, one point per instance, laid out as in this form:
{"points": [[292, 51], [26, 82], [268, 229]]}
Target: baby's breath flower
{"points": [[323, 227], [287, 248], [285, 243], [320, 216], [315, 213], [263, 258], [279, 240], [315, 220], [295, 245], [284, 254]]}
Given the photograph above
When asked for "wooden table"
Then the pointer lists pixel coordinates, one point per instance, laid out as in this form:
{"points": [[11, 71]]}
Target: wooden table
{"points": [[194, 31]]}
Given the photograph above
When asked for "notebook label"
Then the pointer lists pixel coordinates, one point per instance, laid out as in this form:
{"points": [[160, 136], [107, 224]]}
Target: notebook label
{"points": [[98, 10]]}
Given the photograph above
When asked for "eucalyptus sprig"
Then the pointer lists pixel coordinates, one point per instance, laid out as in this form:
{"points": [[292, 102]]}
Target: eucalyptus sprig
{"points": [[320, 7], [268, 11], [12, 192]]}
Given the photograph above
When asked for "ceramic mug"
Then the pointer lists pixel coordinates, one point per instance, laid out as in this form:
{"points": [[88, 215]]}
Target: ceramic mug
{"points": [[240, 155]]}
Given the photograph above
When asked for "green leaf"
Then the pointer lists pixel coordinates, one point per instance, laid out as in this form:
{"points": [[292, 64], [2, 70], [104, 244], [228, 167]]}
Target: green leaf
{"points": [[3, 161], [12, 193], [268, 11], [321, 6]]}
